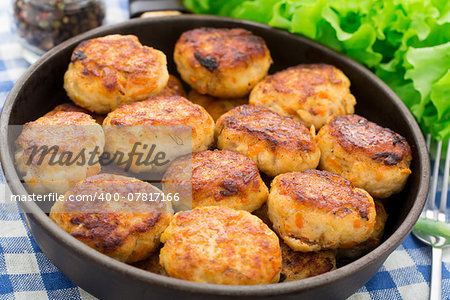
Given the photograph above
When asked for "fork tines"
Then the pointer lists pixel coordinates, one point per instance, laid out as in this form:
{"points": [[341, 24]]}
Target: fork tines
{"points": [[431, 211]]}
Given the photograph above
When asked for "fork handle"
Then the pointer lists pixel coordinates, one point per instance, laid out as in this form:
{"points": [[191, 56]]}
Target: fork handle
{"points": [[436, 274]]}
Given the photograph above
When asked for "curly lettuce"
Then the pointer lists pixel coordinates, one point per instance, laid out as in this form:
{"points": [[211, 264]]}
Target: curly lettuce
{"points": [[405, 42]]}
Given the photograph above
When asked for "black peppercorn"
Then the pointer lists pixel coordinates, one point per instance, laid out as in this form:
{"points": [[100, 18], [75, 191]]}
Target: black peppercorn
{"points": [[43, 24]]}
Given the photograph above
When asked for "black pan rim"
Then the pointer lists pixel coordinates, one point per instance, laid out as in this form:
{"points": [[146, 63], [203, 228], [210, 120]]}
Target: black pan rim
{"points": [[383, 250]]}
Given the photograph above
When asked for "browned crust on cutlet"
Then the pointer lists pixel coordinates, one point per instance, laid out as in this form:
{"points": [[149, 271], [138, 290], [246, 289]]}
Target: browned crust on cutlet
{"points": [[96, 224], [174, 87], [226, 48], [325, 191], [102, 229], [239, 174], [373, 241], [303, 79], [51, 131], [216, 107], [264, 124], [226, 231], [156, 111], [64, 118], [299, 265], [355, 133], [67, 107], [101, 58]]}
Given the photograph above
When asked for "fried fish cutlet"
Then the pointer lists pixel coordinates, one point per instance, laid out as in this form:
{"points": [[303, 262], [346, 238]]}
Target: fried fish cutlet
{"points": [[276, 144], [221, 62], [370, 156], [215, 178], [220, 245], [318, 210], [173, 125], [110, 71], [52, 152], [128, 231], [307, 93]]}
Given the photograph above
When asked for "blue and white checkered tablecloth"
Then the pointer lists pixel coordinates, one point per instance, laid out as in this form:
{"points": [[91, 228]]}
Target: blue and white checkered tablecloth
{"points": [[26, 273]]}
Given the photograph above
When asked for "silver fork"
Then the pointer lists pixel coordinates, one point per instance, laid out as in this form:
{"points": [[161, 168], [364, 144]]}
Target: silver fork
{"points": [[431, 228]]}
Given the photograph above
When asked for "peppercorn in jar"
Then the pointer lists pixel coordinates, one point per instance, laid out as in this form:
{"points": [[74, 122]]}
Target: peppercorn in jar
{"points": [[42, 24]]}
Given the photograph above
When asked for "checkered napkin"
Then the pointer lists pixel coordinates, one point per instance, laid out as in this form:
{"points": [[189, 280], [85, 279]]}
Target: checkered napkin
{"points": [[26, 273]]}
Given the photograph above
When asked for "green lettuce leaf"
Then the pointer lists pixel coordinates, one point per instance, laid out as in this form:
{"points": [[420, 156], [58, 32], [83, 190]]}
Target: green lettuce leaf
{"points": [[405, 42]]}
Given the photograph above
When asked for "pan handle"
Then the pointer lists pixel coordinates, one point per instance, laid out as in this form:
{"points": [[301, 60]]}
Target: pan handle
{"points": [[146, 8]]}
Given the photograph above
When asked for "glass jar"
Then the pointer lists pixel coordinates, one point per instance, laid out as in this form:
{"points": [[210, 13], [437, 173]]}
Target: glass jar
{"points": [[42, 24]]}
